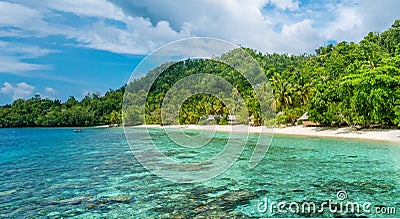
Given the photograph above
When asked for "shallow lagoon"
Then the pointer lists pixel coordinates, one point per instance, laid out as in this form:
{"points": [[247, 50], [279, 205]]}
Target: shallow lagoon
{"points": [[58, 173]]}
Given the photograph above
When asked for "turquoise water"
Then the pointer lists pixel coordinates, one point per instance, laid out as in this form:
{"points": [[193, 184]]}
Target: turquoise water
{"points": [[58, 173]]}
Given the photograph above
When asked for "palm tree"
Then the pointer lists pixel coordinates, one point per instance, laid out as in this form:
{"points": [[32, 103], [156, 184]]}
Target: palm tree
{"points": [[115, 117], [304, 90], [235, 98], [283, 92]]}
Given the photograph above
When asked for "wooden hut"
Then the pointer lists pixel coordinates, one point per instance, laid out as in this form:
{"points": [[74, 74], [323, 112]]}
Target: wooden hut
{"points": [[305, 121]]}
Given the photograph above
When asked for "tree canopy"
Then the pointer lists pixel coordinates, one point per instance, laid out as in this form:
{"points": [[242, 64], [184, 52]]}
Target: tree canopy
{"points": [[347, 84], [91, 110]]}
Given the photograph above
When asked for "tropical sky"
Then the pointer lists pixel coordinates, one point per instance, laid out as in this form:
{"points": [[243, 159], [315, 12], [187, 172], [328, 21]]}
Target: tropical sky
{"points": [[70, 47]]}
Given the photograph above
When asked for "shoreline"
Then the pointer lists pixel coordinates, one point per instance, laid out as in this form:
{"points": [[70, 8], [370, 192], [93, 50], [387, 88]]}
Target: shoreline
{"points": [[391, 135], [387, 135]]}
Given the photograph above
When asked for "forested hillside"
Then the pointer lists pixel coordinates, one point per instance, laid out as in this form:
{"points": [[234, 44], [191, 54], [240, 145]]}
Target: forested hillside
{"points": [[347, 84], [91, 110]]}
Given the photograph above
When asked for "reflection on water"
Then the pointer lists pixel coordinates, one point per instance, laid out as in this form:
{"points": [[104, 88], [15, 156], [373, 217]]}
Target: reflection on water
{"points": [[58, 173]]}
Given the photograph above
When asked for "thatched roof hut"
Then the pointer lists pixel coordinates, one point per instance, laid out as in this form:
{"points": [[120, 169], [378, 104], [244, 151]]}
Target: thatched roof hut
{"points": [[304, 120], [304, 117]]}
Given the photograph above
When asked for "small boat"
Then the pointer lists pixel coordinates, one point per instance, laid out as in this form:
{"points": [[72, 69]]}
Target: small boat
{"points": [[78, 130]]}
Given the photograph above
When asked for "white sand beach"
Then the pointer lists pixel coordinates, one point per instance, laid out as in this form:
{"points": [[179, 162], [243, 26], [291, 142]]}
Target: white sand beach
{"points": [[392, 135]]}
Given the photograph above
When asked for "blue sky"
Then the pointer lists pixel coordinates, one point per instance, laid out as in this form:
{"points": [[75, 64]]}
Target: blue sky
{"points": [[62, 48]]}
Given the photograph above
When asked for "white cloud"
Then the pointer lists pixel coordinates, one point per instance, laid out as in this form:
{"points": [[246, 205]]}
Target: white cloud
{"points": [[13, 55], [50, 90], [20, 90], [22, 21], [346, 25], [285, 4], [49, 93], [354, 19], [17, 67], [23, 51], [17, 15], [240, 22], [91, 8], [10, 65], [139, 38], [301, 34], [7, 89], [379, 15], [291, 27]]}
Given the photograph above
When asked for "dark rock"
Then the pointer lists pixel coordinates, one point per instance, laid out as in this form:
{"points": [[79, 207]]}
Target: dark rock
{"points": [[298, 190], [90, 206], [231, 199], [119, 199]]}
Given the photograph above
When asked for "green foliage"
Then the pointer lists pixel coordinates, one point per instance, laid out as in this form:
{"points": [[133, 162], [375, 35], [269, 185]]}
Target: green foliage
{"points": [[348, 84], [92, 110], [360, 86], [281, 119], [199, 105], [223, 121]]}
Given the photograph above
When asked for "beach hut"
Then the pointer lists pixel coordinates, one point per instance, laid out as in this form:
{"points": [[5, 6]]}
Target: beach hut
{"points": [[210, 118], [304, 117], [232, 119], [304, 120]]}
